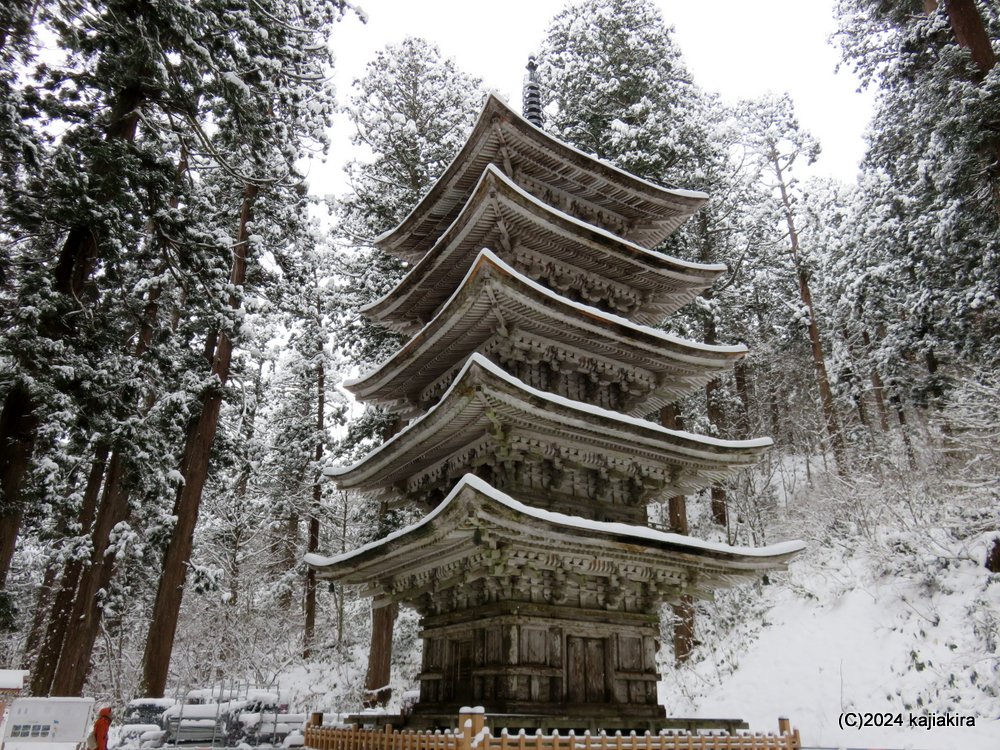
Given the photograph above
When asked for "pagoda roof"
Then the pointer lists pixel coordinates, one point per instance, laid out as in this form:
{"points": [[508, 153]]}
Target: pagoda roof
{"points": [[494, 297], [477, 526], [644, 212], [507, 218], [486, 404]]}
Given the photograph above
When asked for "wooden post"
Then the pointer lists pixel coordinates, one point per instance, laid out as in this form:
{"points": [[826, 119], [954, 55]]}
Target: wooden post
{"points": [[470, 724]]}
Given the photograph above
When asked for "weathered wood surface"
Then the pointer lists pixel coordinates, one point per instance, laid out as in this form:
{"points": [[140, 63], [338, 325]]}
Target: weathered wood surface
{"points": [[520, 662]]}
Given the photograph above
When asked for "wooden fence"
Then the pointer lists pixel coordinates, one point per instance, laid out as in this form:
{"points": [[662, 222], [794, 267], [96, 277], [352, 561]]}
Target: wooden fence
{"points": [[474, 735]]}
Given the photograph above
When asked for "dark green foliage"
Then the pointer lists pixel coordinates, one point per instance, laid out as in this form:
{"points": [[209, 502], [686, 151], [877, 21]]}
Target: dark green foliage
{"points": [[927, 253]]}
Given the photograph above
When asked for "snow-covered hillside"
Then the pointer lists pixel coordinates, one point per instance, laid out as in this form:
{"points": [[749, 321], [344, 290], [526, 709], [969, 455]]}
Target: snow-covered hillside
{"points": [[899, 618]]}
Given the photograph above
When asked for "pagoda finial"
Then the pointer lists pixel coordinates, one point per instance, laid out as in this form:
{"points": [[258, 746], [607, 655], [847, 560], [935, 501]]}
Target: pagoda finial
{"points": [[532, 97]]}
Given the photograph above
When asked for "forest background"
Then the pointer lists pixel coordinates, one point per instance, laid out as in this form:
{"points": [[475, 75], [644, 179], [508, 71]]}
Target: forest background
{"points": [[177, 312]]}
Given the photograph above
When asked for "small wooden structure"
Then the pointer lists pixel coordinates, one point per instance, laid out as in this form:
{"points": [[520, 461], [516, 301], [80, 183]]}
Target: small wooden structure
{"points": [[530, 367]]}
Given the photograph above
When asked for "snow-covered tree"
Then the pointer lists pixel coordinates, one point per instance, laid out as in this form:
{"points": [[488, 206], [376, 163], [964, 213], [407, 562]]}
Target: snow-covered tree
{"points": [[135, 241], [931, 181], [614, 85]]}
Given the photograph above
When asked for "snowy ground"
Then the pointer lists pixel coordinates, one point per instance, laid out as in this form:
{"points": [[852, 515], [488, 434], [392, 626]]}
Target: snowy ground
{"points": [[835, 636]]}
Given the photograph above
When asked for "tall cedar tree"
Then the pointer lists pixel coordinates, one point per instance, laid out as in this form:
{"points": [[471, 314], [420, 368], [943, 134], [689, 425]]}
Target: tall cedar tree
{"points": [[778, 142]]}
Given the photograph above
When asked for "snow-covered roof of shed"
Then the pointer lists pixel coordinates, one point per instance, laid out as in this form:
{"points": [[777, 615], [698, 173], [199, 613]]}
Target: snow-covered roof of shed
{"points": [[642, 211], [483, 394], [493, 291], [12, 679], [530, 233]]}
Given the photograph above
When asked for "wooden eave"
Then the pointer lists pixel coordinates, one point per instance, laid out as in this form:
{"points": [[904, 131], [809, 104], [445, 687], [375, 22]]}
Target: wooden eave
{"points": [[477, 528], [525, 232], [641, 211], [495, 300], [486, 408]]}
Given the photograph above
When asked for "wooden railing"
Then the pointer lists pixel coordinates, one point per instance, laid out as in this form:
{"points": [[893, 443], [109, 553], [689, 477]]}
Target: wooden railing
{"points": [[474, 735]]}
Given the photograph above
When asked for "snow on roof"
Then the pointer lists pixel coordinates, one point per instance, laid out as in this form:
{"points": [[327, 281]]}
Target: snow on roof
{"points": [[690, 264], [494, 173], [12, 679], [495, 102], [610, 528], [609, 319], [164, 702], [478, 360], [679, 192]]}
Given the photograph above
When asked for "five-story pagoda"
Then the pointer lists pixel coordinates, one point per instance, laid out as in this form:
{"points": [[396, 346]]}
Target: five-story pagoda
{"points": [[530, 367]]}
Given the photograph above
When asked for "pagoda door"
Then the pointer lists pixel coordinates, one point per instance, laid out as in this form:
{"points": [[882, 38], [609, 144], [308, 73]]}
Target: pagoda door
{"points": [[586, 674], [458, 679]]}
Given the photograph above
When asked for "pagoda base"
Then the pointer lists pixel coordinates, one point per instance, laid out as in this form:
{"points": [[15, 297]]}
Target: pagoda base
{"points": [[553, 722], [541, 660], [597, 721]]}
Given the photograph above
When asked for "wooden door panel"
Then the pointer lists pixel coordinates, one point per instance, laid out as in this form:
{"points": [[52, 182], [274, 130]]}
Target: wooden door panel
{"points": [[595, 678]]}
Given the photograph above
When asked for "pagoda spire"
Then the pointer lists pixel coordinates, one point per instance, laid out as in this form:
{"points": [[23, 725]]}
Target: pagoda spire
{"points": [[532, 96]]}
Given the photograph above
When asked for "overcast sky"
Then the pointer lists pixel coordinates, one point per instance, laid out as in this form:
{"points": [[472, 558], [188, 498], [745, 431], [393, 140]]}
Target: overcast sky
{"points": [[739, 48]]}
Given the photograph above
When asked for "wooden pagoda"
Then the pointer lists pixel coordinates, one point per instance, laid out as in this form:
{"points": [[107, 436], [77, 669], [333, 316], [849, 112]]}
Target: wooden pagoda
{"points": [[530, 364]]}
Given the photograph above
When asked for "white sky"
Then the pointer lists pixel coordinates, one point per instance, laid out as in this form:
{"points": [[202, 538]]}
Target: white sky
{"points": [[739, 48]]}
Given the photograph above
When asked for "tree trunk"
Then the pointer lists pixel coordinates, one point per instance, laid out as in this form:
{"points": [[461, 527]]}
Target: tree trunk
{"points": [[74, 662], [194, 470], [36, 633], [684, 610], [743, 391], [684, 637], [677, 505], [859, 397], [878, 388], [377, 690], [61, 610], [287, 547], [816, 343], [313, 542], [340, 587], [18, 425], [716, 416], [970, 31], [904, 429], [993, 557]]}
